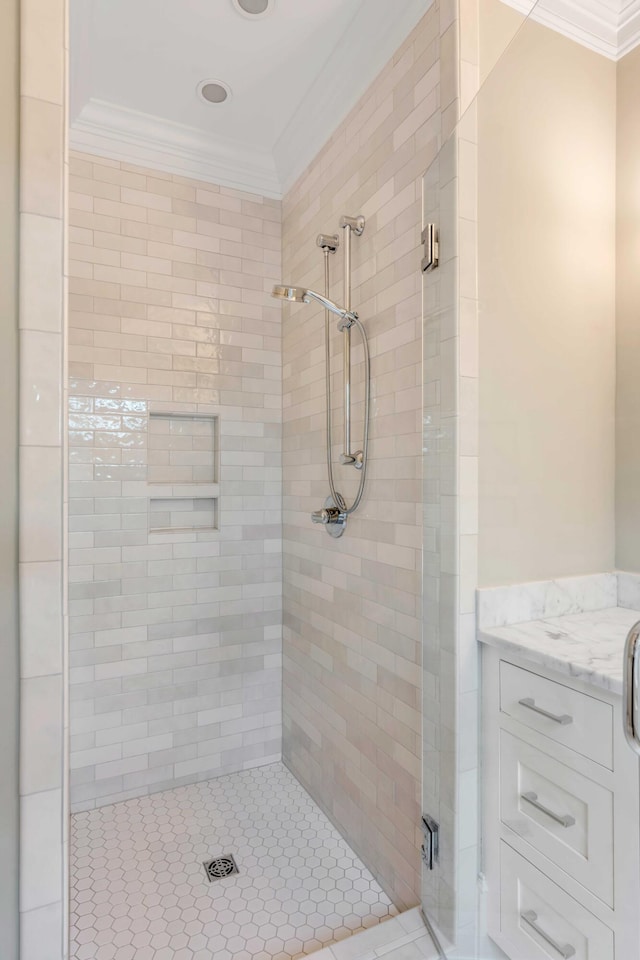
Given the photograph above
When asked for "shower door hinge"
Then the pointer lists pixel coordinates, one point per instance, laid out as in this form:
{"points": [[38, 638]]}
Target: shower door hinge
{"points": [[431, 841], [431, 241]]}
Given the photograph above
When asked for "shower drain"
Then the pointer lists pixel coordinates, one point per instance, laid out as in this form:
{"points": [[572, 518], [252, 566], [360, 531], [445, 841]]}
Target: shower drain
{"points": [[220, 867]]}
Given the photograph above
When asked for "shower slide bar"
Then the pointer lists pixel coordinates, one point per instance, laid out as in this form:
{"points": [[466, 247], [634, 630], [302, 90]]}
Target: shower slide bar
{"points": [[335, 512], [350, 225]]}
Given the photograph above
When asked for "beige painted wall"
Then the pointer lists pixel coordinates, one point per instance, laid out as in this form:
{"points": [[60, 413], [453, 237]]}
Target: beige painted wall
{"points": [[498, 24], [8, 478], [547, 310], [628, 317]]}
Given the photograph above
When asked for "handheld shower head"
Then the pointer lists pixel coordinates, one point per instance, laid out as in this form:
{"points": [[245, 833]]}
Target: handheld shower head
{"points": [[300, 295]]}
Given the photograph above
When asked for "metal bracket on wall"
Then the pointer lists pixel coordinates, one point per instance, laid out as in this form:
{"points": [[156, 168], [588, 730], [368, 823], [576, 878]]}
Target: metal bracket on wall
{"points": [[431, 241], [431, 844]]}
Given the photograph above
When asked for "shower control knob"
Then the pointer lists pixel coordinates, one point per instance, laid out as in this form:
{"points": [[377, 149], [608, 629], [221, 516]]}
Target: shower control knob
{"points": [[327, 515], [332, 518]]}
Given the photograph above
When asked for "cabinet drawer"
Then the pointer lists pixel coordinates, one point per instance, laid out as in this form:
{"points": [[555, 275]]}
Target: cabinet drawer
{"points": [[562, 814], [542, 922], [567, 716]]}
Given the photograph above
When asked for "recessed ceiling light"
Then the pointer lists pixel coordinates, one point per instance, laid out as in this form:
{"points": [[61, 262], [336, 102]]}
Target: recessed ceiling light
{"points": [[254, 8], [214, 91]]}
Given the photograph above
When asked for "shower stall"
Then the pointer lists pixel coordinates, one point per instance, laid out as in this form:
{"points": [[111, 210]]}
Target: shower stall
{"points": [[187, 830], [244, 691], [241, 737]]}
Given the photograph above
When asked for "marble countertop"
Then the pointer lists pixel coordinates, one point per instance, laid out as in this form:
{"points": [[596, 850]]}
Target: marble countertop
{"points": [[584, 646]]}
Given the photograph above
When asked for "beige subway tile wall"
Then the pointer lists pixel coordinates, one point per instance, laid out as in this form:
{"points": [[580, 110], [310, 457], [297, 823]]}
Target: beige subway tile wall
{"points": [[352, 607], [174, 480]]}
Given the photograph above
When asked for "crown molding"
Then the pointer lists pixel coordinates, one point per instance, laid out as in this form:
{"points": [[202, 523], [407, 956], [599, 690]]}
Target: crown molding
{"points": [[604, 26], [108, 130], [609, 27], [629, 29], [373, 36]]}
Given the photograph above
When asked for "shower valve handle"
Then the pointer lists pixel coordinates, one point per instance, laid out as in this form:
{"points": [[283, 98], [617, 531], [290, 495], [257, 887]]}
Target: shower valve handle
{"points": [[331, 517], [327, 515]]}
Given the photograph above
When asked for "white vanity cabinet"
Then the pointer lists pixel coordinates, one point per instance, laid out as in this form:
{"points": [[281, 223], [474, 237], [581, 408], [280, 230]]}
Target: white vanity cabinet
{"points": [[561, 816]]}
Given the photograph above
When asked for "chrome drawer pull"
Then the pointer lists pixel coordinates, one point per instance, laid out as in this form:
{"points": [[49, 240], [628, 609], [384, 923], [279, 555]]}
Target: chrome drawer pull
{"points": [[565, 950], [565, 820], [530, 704]]}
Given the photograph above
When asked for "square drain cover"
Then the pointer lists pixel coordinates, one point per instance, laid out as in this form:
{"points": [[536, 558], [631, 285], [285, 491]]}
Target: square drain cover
{"points": [[219, 867]]}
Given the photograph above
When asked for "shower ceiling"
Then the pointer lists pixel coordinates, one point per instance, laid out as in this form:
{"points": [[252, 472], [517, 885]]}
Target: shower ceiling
{"points": [[136, 66]]}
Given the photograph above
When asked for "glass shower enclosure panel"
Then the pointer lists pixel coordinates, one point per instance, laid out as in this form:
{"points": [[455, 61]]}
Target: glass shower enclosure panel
{"points": [[483, 35]]}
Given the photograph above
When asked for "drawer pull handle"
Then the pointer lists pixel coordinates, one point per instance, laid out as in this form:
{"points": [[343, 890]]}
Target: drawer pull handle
{"points": [[565, 820], [530, 704], [565, 950]]}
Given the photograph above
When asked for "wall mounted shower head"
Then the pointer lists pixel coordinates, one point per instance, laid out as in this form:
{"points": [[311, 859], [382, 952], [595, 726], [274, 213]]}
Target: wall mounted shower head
{"points": [[300, 295]]}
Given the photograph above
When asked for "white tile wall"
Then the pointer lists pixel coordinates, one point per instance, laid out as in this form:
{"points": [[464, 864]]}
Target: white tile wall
{"points": [[175, 637], [42, 546], [352, 607]]}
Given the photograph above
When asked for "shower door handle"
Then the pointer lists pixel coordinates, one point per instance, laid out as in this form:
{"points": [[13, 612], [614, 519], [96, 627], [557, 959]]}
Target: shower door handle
{"points": [[630, 689]]}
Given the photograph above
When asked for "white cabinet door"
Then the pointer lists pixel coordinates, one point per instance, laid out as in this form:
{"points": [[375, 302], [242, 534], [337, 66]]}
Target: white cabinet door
{"points": [[561, 813], [540, 921], [580, 722]]}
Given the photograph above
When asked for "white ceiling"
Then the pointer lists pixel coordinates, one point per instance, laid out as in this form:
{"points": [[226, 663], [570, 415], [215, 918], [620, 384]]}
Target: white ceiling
{"points": [[150, 55], [294, 75], [136, 64]]}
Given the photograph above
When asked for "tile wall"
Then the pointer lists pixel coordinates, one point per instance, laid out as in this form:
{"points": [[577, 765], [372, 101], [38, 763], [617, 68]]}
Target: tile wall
{"points": [[352, 607], [174, 481], [42, 547]]}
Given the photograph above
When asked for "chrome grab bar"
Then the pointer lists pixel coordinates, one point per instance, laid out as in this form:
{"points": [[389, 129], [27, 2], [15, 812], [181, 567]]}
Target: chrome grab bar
{"points": [[630, 689], [530, 704], [565, 820], [565, 950]]}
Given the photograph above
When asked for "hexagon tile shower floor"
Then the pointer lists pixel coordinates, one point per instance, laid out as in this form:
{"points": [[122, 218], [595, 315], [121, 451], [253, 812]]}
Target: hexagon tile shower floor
{"points": [[140, 890]]}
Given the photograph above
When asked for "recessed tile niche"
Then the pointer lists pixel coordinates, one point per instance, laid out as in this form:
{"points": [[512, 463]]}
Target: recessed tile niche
{"points": [[183, 467], [183, 448], [177, 514]]}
